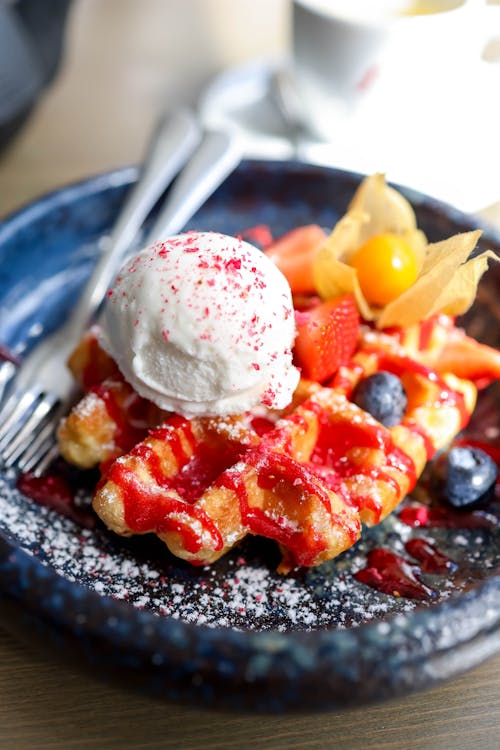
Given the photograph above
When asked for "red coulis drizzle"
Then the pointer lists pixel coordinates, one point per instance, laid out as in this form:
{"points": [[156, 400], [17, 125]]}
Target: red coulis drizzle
{"points": [[337, 438], [149, 508], [393, 574], [446, 518], [273, 470], [98, 365], [426, 329], [430, 558], [128, 417], [399, 365], [152, 509], [419, 430], [171, 433], [54, 492], [447, 396], [262, 425], [8, 356]]}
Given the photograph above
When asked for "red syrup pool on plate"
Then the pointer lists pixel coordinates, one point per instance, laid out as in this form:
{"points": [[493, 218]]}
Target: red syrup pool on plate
{"points": [[394, 574], [8, 356], [399, 576], [436, 513], [385, 571], [54, 491], [439, 517], [430, 558]]}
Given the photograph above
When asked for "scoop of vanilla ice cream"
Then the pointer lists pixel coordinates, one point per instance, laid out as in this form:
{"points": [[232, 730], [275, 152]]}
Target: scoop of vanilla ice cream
{"points": [[203, 324]]}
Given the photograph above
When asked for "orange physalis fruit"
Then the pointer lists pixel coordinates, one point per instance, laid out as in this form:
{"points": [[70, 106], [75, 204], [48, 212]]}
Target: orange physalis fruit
{"points": [[386, 267]]}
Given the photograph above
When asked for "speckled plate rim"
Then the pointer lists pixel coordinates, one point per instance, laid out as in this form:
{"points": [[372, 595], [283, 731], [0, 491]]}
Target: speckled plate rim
{"points": [[259, 671]]}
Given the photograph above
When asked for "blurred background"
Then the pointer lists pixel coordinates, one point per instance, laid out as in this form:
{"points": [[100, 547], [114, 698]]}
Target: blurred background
{"points": [[83, 81], [122, 63]]}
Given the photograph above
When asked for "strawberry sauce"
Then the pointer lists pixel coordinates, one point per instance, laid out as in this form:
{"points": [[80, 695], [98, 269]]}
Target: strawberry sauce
{"points": [[395, 575], [337, 438], [446, 518], [127, 416], [447, 396], [151, 508], [348, 376], [8, 356], [148, 504], [54, 492], [98, 365], [294, 482], [430, 558]]}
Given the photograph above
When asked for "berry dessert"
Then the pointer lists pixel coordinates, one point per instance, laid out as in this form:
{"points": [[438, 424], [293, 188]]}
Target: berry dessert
{"points": [[295, 394]]}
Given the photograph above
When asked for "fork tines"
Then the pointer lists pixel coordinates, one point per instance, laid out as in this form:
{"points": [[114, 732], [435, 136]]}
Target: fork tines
{"points": [[27, 425], [7, 370]]}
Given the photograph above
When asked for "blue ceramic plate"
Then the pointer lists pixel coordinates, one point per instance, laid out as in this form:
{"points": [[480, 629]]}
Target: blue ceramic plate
{"points": [[236, 634]]}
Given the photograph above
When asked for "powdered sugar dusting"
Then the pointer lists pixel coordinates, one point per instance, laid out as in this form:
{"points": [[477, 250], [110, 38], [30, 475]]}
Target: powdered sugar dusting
{"points": [[241, 591]]}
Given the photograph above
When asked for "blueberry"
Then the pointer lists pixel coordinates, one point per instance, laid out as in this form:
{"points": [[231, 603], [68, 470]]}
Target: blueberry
{"points": [[470, 476], [382, 395]]}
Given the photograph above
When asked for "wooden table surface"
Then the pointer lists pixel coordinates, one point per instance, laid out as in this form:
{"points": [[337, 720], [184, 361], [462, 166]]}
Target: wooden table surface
{"points": [[125, 60]]}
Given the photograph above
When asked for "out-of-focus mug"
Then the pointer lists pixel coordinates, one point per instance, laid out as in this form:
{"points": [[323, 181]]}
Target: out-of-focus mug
{"points": [[342, 48]]}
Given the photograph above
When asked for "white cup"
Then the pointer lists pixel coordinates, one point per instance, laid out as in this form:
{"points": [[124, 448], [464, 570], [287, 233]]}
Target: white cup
{"points": [[343, 49]]}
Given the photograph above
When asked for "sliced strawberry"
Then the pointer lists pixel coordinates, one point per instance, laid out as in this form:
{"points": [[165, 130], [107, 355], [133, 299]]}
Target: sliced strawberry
{"points": [[259, 235], [326, 337], [294, 254], [305, 302], [467, 358]]}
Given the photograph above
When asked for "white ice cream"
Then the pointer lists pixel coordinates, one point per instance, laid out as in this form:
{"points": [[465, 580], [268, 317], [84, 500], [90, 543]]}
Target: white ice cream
{"points": [[202, 324]]}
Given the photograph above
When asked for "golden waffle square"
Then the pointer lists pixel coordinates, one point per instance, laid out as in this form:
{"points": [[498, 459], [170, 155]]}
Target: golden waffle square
{"points": [[307, 478]]}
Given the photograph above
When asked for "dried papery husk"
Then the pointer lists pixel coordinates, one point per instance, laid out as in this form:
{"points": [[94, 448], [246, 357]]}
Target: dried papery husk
{"points": [[446, 282], [389, 211], [332, 276]]}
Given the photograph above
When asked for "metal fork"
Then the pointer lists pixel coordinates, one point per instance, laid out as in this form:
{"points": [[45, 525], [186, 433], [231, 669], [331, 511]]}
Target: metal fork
{"points": [[43, 389], [7, 371], [172, 143]]}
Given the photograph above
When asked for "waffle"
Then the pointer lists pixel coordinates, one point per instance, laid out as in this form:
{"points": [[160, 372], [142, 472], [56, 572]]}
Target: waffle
{"points": [[308, 478], [111, 417]]}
